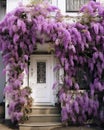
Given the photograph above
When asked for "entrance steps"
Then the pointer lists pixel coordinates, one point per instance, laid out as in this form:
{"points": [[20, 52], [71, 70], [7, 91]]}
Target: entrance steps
{"points": [[42, 118]]}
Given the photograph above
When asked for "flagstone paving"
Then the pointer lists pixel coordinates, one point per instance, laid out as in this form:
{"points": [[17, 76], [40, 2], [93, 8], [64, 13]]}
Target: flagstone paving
{"points": [[78, 128], [4, 127]]}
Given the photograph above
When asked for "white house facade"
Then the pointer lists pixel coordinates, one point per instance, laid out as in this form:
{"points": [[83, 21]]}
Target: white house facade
{"points": [[41, 76]]}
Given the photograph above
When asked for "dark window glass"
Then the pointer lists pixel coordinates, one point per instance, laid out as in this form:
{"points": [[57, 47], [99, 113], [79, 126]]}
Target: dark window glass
{"points": [[2, 9]]}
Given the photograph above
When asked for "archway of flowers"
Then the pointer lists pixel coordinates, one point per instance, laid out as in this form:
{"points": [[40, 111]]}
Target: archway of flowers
{"points": [[79, 48]]}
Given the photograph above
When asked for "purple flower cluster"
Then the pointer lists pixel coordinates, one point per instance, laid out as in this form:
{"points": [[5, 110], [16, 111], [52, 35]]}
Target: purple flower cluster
{"points": [[79, 48], [78, 107]]}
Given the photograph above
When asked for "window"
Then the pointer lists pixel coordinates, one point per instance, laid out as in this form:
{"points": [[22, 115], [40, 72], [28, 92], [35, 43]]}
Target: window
{"points": [[75, 5], [2, 9], [3, 3]]}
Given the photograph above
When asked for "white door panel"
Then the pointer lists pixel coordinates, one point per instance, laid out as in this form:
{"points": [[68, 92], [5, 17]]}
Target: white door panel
{"points": [[41, 74]]}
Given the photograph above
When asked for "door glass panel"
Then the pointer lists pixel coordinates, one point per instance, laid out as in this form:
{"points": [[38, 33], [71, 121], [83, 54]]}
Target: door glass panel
{"points": [[41, 72]]}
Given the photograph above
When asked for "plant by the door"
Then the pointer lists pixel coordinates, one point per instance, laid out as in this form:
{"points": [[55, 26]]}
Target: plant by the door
{"points": [[78, 46]]}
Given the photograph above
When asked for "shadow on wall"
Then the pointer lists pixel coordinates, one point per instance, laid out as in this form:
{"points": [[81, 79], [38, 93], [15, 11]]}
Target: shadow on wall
{"points": [[2, 77], [2, 80]]}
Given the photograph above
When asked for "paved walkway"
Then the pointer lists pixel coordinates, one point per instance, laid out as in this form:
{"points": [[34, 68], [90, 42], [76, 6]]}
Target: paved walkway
{"points": [[4, 127], [77, 128]]}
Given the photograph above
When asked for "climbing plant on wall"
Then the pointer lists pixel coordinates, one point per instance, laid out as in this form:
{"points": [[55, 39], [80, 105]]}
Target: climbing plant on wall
{"points": [[79, 48]]}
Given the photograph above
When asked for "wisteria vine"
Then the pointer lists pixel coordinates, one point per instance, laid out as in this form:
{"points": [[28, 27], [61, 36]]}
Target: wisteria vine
{"points": [[79, 48]]}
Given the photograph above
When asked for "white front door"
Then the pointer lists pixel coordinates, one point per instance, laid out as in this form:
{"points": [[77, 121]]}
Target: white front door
{"points": [[40, 79]]}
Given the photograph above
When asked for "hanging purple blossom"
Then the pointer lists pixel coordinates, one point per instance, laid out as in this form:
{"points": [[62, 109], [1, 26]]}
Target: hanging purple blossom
{"points": [[77, 46]]}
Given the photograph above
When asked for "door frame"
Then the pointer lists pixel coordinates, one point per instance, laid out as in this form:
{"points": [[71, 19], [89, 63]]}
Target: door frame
{"points": [[52, 62]]}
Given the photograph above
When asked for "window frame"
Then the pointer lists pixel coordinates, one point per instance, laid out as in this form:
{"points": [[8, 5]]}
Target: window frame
{"points": [[71, 11], [61, 4]]}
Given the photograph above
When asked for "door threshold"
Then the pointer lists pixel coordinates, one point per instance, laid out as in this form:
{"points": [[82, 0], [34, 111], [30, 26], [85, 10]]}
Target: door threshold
{"points": [[43, 103]]}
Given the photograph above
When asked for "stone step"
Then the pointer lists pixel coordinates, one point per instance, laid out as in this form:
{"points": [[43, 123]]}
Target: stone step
{"points": [[44, 110], [44, 118], [39, 126]]}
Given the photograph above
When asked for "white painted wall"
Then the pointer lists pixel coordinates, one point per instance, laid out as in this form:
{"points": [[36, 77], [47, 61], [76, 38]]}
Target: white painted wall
{"points": [[12, 4], [102, 1]]}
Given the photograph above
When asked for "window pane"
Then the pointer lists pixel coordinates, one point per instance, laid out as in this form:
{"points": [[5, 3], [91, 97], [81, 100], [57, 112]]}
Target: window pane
{"points": [[2, 9], [41, 72], [75, 5]]}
